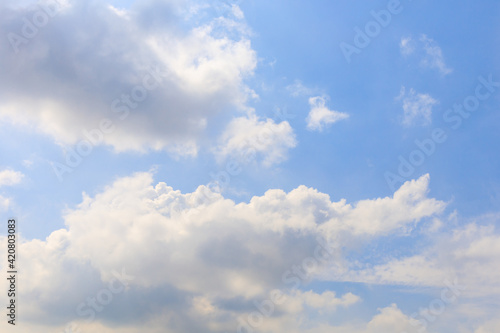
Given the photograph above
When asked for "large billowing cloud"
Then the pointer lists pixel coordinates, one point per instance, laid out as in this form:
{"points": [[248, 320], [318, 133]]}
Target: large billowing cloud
{"points": [[158, 76], [140, 255], [197, 261]]}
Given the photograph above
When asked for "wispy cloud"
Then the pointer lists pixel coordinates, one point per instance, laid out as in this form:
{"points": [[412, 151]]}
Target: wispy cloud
{"points": [[434, 58], [428, 50], [407, 46], [297, 88], [417, 107]]}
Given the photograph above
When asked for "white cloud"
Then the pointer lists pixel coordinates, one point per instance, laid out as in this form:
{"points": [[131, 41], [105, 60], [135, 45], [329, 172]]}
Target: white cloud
{"points": [[249, 138], [428, 50], [70, 76], [327, 301], [434, 58], [208, 260], [464, 260], [320, 117], [417, 107], [10, 177], [390, 319], [407, 46], [237, 12], [204, 258], [4, 203], [464, 253]]}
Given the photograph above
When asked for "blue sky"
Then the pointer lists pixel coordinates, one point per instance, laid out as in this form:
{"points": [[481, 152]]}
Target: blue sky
{"points": [[304, 139]]}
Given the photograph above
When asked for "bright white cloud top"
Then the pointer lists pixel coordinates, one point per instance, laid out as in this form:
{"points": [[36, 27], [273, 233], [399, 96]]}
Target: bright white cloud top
{"points": [[248, 139], [207, 257], [320, 117], [10, 177], [156, 83]]}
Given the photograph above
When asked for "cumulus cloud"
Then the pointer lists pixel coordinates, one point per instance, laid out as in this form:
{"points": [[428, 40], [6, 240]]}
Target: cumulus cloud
{"points": [[250, 138], [417, 107], [390, 319], [320, 117], [10, 177], [326, 301], [157, 77], [198, 261]]}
